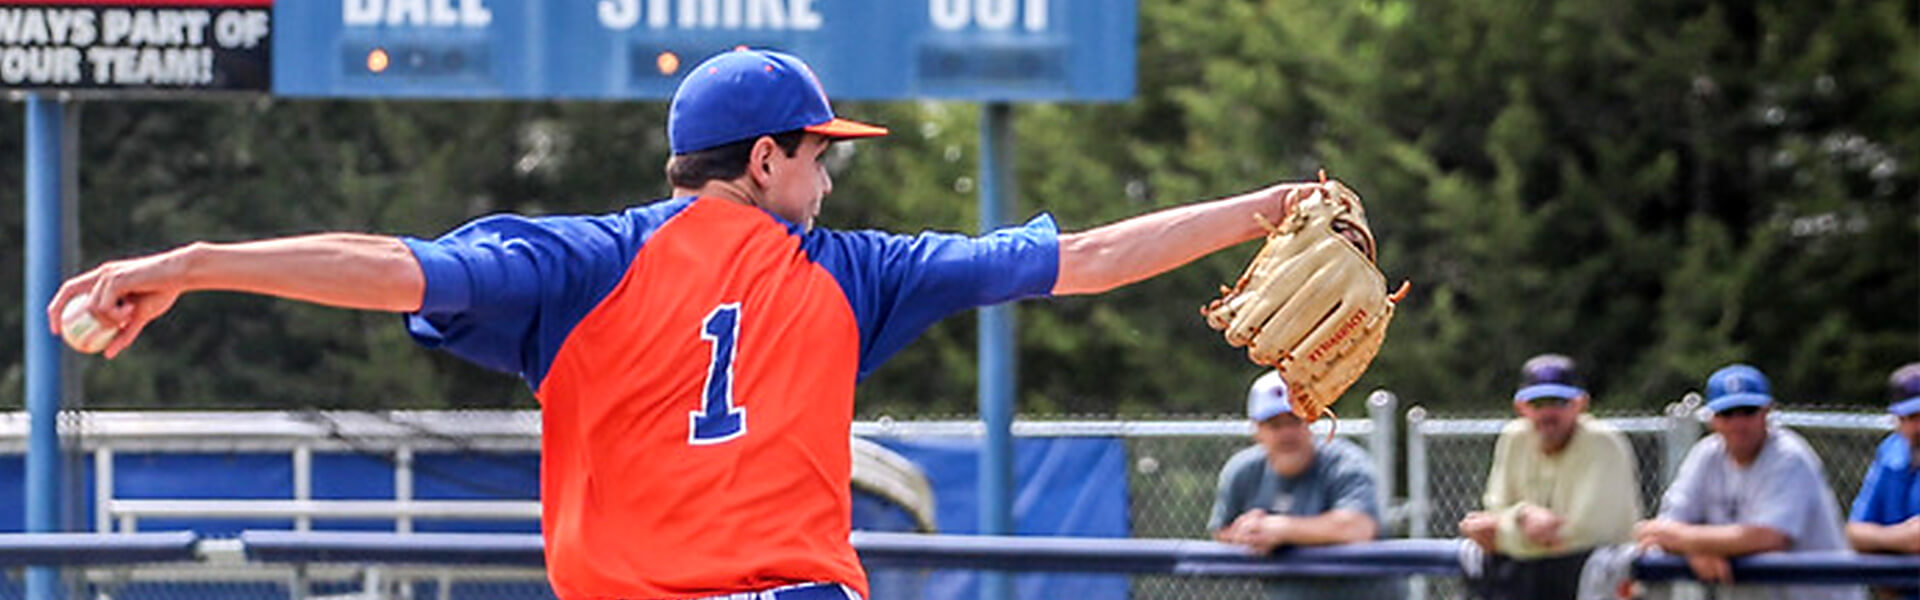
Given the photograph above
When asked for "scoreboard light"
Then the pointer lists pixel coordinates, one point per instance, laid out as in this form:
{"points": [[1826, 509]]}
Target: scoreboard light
{"points": [[650, 62], [413, 59]]}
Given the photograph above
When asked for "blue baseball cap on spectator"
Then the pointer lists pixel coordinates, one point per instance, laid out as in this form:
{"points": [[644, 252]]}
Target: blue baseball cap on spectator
{"points": [[1737, 385], [744, 94], [1903, 389], [1268, 397], [1548, 376]]}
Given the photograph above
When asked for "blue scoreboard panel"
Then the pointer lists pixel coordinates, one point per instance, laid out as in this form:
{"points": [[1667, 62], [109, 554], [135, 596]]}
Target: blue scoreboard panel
{"points": [[998, 50]]}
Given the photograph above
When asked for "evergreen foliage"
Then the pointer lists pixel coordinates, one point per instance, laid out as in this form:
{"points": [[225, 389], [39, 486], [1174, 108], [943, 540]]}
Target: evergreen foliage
{"points": [[1654, 188]]}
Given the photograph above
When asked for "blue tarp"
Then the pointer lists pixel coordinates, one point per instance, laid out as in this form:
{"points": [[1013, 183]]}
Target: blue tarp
{"points": [[1064, 486]]}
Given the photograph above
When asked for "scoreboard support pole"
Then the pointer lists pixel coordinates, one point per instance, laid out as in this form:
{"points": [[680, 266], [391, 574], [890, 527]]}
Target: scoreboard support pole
{"points": [[999, 372], [46, 122]]}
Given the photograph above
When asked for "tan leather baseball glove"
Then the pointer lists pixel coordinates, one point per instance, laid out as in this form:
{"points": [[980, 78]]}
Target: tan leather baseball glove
{"points": [[1313, 303]]}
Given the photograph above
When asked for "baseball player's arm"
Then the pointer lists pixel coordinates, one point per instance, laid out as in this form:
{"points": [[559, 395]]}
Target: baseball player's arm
{"points": [[1337, 526], [1739, 539], [1120, 253], [1903, 538], [336, 269]]}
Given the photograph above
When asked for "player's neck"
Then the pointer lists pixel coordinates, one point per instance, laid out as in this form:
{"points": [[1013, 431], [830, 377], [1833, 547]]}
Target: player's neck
{"points": [[738, 191]]}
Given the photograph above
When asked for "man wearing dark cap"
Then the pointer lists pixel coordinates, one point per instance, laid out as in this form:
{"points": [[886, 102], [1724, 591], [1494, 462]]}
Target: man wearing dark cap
{"points": [[694, 357], [1748, 488], [1562, 484], [1886, 514], [1287, 490]]}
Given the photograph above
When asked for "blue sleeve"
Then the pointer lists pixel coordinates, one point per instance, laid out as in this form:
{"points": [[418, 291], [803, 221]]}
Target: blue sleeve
{"points": [[900, 285], [504, 291], [1872, 504]]}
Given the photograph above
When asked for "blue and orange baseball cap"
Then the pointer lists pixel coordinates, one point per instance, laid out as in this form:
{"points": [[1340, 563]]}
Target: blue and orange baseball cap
{"points": [[1268, 397], [1737, 385], [1548, 376], [1903, 389], [744, 94]]}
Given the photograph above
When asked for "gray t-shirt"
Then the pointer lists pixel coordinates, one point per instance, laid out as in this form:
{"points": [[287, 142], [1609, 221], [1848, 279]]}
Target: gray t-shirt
{"points": [[1785, 489], [1341, 477]]}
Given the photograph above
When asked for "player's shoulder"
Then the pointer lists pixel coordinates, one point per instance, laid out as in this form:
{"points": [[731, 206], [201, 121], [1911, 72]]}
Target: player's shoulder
{"points": [[1712, 446], [1515, 428], [1343, 449], [1602, 430], [1250, 459], [1793, 449], [1894, 452]]}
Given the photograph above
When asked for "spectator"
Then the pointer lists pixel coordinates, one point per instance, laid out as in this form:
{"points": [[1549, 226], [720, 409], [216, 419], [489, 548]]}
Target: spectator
{"points": [[1286, 490], [1886, 514], [1747, 489], [1554, 492]]}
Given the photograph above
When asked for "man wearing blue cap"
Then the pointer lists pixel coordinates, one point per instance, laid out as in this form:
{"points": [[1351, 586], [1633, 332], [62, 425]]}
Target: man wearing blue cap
{"points": [[1886, 514], [695, 357], [1286, 490], [1555, 491], [1748, 488]]}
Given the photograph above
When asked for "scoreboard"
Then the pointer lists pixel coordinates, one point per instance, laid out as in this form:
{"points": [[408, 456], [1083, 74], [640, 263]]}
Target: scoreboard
{"points": [[988, 50]]}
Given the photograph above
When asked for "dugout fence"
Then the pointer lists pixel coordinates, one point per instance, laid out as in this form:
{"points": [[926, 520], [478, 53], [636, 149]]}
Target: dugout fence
{"points": [[1435, 466]]}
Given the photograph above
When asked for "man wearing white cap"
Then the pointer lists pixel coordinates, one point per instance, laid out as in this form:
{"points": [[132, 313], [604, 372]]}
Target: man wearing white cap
{"points": [[1562, 484], [1748, 488], [1287, 490]]}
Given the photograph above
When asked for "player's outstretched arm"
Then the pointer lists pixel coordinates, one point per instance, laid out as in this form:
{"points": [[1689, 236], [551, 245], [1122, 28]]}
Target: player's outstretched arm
{"points": [[347, 270], [1116, 254]]}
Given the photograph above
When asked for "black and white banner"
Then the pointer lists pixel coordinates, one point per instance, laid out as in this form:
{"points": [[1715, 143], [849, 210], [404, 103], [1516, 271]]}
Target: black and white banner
{"points": [[137, 44]]}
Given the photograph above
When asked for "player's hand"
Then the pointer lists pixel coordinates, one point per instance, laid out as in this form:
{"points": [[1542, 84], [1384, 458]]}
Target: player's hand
{"points": [[1710, 568], [1481, 528], [1541, 526], [1908, 533], [127, 295], [1257, 530], [1659, 533], [1282, 197]]}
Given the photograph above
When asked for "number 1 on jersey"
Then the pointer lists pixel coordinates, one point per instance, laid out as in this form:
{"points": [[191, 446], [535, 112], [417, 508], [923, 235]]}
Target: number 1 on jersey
{"points": [[719, 420]]}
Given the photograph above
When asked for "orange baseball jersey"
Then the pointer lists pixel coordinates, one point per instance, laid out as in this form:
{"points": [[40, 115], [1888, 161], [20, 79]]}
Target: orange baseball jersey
{"points": [[695, 361]]}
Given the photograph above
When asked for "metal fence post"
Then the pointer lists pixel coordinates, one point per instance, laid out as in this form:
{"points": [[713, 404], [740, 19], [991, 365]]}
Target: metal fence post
{"points": [[1418, 495], [1682, 429], [1381, 407]]}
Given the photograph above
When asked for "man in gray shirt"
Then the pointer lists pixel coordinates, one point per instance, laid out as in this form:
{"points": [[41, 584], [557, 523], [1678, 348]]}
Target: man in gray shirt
{"points": [[1747, 489], [1286, 490]]}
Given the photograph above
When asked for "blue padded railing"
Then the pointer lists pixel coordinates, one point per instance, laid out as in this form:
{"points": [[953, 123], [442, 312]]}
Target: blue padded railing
{"points": [[54, 549], [1796, 567], [1080, 554], [409, 548], [1142, 555]]}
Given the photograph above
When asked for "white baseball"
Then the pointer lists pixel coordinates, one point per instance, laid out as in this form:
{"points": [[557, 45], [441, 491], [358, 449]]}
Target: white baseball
{"points": [[81, 330]]}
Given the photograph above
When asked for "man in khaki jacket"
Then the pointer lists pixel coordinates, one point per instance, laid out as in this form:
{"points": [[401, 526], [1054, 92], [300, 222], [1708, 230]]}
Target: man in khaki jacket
{"points": [[1562, 483]]}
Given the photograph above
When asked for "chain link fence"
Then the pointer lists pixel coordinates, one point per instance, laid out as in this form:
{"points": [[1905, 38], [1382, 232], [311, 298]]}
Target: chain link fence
{"points": [[1433, 475], [1449, 460]]}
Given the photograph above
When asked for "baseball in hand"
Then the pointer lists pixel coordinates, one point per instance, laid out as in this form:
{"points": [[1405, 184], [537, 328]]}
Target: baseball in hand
{"points": [[81, 330]]}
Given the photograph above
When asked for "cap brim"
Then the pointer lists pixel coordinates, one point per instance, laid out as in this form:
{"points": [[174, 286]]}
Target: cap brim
{"points": [[1548, 390], [1270, 411], [1738, 400], [842, 128], [1906, 408]]}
